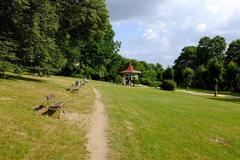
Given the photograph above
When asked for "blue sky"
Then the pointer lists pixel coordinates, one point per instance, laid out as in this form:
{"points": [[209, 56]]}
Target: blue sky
{"points": [[157, 30]]}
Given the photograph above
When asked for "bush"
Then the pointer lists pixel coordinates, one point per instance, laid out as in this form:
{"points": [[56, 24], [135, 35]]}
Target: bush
{"points": [[155, 84], [145, 81], [4, 67], [135, 81], [18, 70], [169, 85], [118, 79]]}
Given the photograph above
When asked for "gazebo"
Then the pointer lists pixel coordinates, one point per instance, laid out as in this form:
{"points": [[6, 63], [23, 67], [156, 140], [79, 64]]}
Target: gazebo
{"points": [[129, 74]]}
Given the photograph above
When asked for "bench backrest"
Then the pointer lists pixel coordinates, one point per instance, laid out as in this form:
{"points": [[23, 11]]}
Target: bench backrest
{"points": [[51, 97]]}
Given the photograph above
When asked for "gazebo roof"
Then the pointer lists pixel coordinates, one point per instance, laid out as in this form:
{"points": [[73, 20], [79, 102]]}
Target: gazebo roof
{"points": [[130, 69]]}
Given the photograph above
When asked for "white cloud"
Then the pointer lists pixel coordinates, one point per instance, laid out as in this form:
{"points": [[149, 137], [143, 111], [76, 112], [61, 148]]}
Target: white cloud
{"points": [[201, 27], [166, 26], [213, 9], [165, 43], [150, 35], [168, 57]]}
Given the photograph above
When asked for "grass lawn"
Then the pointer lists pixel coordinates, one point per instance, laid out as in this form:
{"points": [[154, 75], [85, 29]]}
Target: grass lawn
{"points": [[150, 124], [212, 92], [24, 135], [144, 123]]}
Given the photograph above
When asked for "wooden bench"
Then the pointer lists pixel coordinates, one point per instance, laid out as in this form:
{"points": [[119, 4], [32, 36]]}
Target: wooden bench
{"points": [[51, 107], [50, 98], [75, 87], [56, 106]]}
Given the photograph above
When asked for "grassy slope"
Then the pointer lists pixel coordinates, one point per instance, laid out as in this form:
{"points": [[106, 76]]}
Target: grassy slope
{"points": [[150, 124], [24, 135]]}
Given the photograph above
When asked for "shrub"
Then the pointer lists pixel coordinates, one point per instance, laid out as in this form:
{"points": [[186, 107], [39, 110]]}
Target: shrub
{"points": [[169, 85], [118, 79], [135, 81], [18, 70], [145, 81], [156, 84], [4, 67]]}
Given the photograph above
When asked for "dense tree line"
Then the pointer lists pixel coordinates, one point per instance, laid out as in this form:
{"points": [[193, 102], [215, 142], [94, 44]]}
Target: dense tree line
{"points": [[210, 64], [75, 38], [64, 37]]}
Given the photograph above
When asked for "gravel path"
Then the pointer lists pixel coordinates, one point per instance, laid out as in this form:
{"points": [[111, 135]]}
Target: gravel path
{"points": [[97, 137]]}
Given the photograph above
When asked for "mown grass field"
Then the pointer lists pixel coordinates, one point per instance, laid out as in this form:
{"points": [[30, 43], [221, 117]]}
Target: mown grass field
{"points": [[24, 135], [144, 123], [148, 124]]}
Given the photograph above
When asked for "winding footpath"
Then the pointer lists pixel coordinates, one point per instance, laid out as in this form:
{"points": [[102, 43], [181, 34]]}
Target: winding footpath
{"points": [[97, 136], [208, 94]]}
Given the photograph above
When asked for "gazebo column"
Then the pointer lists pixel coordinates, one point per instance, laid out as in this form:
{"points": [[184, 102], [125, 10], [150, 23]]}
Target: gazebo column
{"points": [[124, 80]]}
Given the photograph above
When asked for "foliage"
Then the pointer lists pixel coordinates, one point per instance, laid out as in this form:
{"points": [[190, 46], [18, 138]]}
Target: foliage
{"points": [[64, 37], [135, 81], [215, 71], [233, 52], [200, 78], [156, 84], [118, 79], [232, 72], [168, 74], [8, 57], [208, 59], [169, 85], [188, 75]]}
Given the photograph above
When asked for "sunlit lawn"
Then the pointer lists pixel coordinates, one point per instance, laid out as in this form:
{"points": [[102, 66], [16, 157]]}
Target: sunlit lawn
{"points": [[146, 123], [24, 135]]}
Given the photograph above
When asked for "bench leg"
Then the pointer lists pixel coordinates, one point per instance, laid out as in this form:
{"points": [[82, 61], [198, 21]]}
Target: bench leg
{"points": [[58, 113], [63, 109]]}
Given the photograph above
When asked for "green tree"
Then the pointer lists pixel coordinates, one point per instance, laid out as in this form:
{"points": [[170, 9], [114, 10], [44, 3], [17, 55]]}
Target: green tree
{"points": [[8, 44], [168, 74], [231, 74], [201, 77], [217, 47], [188, 75], [45, 56], [215, 71], [186, 59], [159, 70], [210, 48], [233, 52], [86, 30], [8, 58], [203, 51]]}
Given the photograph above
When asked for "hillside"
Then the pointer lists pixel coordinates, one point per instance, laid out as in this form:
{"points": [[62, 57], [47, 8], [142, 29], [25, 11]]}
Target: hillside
{"points": [[25, 135]]}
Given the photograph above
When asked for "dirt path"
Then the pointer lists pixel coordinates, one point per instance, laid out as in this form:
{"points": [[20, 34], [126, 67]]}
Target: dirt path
{"points": [[208, 94], [97, 138]]}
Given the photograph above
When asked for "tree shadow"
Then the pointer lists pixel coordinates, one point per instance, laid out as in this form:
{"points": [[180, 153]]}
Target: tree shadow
{"points": [[16, 77], [232, 100]]}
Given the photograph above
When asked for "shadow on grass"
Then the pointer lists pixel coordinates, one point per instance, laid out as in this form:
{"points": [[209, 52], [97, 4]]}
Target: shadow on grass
{"points": [[232, 100], [49, 112], [16, 77]]}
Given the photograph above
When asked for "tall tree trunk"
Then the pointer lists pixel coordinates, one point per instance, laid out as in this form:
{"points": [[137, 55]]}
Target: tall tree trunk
{"points": [[187, 88], [231, 89], [215, 90]]}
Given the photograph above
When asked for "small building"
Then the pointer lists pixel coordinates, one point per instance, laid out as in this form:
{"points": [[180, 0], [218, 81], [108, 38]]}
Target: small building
{"points": [[129, 74]]}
